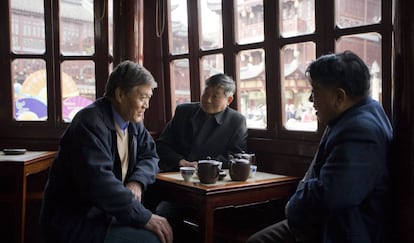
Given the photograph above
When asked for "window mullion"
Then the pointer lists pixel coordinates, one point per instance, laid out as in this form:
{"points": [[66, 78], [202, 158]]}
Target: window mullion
{"points": [[386, 33], [230, 46], [52, 53], [101, 46], [325, 26], [272, 60], [193, 10]]}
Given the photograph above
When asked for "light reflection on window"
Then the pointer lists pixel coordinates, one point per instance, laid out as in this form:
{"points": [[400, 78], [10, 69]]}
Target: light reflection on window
{"points": [[178, 27], [29, 90], [28, 29], [253, 88], [357, 13], [180, 82], [30, 76], [78, 87], [211, 25], [77, 28], [249, 20], [211, 64], [299, 112], [110, 27], [297, 17]]}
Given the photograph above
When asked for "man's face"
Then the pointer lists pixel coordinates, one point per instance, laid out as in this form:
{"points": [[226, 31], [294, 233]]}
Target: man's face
{"points": [[132, 105], [213, 100], [325, 101]]}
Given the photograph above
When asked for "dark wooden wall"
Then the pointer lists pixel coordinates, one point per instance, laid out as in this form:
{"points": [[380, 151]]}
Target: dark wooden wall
{"points": [[403, 119]]}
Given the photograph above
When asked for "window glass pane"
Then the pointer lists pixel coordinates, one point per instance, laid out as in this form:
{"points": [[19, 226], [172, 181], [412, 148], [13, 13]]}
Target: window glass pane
{"points": [[357, 13], [211, 25], [178, 27], [110, 27], [30, 92], [249, 21], [180, 82], [299, 112], [368, 47], [212, 64], [253, 87], [78, 87], [76, 27], [27, 26], [297, 17]]}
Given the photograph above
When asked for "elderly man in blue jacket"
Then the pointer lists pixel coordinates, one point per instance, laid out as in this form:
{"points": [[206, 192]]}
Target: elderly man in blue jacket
{"points": [[345, 194], [106, 159]]}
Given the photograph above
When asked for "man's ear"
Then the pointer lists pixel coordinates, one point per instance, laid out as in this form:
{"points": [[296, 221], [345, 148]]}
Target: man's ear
{"points": [[230, 99], [119, 95], [341, 97]]}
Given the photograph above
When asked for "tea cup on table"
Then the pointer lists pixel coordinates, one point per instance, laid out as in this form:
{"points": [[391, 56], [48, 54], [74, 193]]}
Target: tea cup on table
{"points": [[187, 172], [208, 171], [253, 170]]}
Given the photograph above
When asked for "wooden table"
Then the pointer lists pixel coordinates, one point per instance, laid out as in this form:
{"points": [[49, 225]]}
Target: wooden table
{"points": [[19, 167], [262, 188]]}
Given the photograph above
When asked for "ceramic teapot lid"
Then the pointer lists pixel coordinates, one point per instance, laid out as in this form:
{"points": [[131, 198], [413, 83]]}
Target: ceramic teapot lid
{"points": [[244, 161]]}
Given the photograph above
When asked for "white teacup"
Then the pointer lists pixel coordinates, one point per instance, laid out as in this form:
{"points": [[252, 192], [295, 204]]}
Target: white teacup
{"points": [[253, 169], [187, 172]]}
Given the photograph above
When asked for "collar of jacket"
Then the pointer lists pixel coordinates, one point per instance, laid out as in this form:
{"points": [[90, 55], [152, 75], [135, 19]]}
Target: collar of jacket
{"points": [[218, 117], [104, 104], [362, 102]]}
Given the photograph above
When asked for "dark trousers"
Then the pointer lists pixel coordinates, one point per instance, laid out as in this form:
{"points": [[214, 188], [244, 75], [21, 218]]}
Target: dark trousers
{"points": [[280, 233], [176, 214]]}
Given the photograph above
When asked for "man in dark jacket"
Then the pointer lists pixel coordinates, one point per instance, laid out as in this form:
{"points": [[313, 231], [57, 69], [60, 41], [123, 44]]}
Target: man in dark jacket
{"points": [[106, 159], [345, 194], [206, 129], [201, 130]]}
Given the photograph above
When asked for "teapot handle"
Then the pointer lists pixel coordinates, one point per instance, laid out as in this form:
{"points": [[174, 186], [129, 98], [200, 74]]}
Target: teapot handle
{"points": [[217, 171]]}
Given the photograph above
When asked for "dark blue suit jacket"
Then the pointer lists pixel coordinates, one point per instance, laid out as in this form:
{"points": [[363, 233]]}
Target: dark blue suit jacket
{"points": [[188, 137], [84, 192], [348, 196]]}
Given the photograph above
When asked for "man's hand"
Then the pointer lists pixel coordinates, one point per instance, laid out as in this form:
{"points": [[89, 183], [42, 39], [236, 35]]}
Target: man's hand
{"points": [[160, 226], [136, 189], [185, 163]]}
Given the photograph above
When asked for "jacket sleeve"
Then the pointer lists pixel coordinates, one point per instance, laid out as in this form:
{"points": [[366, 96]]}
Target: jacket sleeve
{"points": [[238, 140], [167, 143], [146, 159]]}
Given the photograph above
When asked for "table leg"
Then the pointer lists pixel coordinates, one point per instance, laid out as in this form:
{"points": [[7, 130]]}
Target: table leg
{"points": [[207, 223], [21, 206]]}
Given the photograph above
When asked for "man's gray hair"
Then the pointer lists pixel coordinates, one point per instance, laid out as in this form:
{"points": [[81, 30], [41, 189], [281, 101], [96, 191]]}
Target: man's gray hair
{"points": [[224, 81], [126, 76]]}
